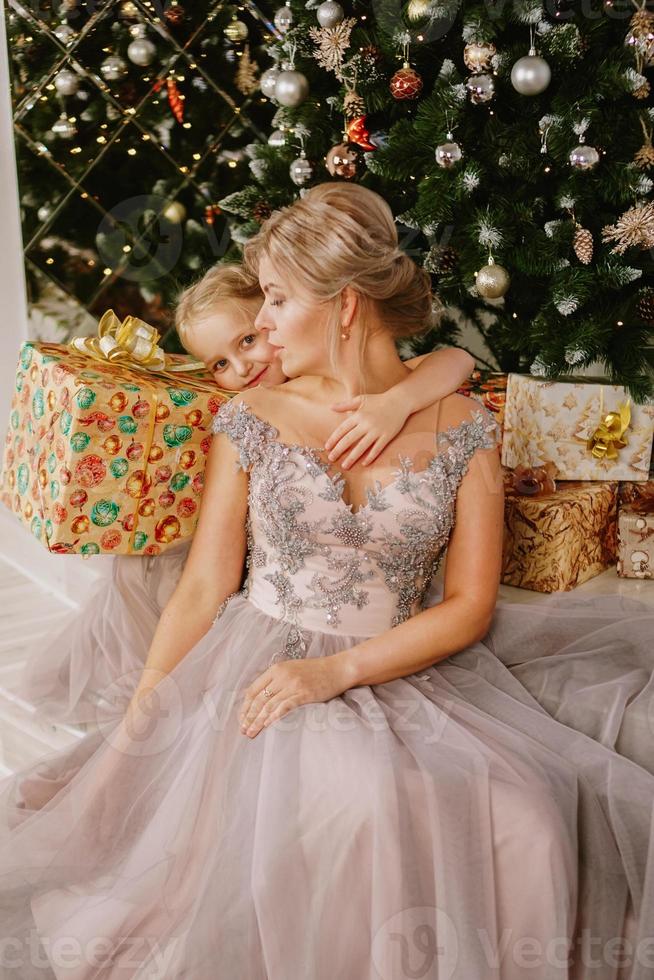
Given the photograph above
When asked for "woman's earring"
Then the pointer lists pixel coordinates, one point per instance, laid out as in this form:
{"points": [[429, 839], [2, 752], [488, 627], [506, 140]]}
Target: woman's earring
{"points": [[344, 335]]}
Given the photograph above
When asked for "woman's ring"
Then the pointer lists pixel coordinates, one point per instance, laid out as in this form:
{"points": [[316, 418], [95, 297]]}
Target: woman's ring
{"points": [[266, 693]]}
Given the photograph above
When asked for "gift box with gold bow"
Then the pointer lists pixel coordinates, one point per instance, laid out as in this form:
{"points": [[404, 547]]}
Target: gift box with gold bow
{"points": [[556, 539], [107, 441], [489, 388], [589, 429]]}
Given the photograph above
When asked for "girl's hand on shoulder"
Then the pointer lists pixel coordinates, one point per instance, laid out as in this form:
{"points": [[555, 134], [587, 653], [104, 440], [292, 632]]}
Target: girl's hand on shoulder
{"points": [[374, 420]]}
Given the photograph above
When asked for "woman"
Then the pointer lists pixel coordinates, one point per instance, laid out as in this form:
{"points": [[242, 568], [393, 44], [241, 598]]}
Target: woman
{"points": [[110, 636], [314, 777]]}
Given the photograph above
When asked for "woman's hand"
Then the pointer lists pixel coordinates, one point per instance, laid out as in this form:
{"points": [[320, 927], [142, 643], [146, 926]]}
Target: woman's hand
{"points": [[375, 420], [292, 683]]}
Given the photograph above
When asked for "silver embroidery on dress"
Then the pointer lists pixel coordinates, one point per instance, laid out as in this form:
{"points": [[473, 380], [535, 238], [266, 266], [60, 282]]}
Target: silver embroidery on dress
{"points": [[398, 537]]}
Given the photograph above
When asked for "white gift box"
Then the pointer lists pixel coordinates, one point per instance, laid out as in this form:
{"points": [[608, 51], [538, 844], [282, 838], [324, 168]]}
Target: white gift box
{"points": [[553, 421]]}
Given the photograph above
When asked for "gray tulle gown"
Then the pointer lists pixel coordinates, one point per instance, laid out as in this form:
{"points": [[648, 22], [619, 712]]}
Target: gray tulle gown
{"points": [[488, 817]]}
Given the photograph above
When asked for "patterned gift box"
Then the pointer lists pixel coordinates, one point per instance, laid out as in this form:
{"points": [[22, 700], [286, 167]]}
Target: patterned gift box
{"points": [[578, 426], [105, 458], [635, 542], [637, 494], [556, 541], [489, 388]]}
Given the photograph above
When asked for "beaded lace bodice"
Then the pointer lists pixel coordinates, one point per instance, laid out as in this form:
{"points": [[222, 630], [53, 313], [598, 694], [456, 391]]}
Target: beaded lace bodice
{"points": [[319, 563]]}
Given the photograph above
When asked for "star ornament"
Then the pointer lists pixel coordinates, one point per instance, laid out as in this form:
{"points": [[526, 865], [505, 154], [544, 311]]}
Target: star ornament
{"points": [[633, 229]]}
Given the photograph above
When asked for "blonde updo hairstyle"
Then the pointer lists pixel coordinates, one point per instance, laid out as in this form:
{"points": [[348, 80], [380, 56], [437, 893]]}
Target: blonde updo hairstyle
{"points": [[341, 235], [225, 282]]}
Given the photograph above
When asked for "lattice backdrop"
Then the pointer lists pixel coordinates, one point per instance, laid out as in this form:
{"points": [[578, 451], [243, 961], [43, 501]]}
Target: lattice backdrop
{"points": [[130, 120]]}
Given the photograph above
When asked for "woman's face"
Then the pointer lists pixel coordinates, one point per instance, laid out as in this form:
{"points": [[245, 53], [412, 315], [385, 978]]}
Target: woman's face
{"points": [[295, 325], [235, 351]]}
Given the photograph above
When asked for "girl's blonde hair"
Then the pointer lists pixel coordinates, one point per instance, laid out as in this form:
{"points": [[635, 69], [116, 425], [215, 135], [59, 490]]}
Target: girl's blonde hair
{"points": [[342, 234], [223, 282]]}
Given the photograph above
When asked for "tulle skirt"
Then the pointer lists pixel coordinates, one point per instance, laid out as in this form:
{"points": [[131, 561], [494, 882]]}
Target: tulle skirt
{"points": [[443, 825]]}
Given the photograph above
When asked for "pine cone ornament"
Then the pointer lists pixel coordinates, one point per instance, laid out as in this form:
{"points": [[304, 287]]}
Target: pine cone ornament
{"points": [[583, 245], [353, 105], [642, 92], [261, 211], [440, 260], [645, 306], [644, 157]]}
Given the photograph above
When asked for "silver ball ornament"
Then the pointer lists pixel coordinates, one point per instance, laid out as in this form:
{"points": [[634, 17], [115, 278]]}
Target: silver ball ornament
{"points": [[66, 82], [330, 13], [531, 75], [44, 212], [301, 170], [277, 139], [492, 280], [64, 33], [283, 19], [64, 128], [141, 52], [583, 157], [448, 154], [481, 88], [291, 88], [268, 81], [113, 68]]}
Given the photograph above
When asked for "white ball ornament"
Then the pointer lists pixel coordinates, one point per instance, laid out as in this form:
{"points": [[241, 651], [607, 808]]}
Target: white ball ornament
{"points": [[330, 13], [448, 154], [292, 88], [481, 88], [531, 75], [268, 81], [113, 68]]}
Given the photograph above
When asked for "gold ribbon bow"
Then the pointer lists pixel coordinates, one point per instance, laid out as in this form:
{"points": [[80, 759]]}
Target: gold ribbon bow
{"points": [[609, 436], [132, 343]]}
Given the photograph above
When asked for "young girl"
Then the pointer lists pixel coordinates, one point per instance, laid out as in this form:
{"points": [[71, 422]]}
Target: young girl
{"points": [[66, 677]]}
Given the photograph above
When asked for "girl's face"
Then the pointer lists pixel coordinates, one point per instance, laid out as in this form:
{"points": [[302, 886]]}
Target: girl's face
{"points": [[295, 325], [235, 351]]}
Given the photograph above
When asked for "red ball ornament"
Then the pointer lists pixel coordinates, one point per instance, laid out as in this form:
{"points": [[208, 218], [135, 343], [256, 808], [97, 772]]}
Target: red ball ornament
{"points": [[406, 83], [357, 132]]}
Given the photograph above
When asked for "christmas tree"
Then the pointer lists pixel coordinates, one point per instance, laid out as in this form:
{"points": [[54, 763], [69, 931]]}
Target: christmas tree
{"points": [[130, 120], [513, 143]]}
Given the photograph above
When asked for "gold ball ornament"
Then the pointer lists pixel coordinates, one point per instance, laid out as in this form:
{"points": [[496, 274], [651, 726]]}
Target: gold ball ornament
{"points": [[236, 31], [343, 161], [478, 55], [175, 212], [129, 10], [492, 280]]}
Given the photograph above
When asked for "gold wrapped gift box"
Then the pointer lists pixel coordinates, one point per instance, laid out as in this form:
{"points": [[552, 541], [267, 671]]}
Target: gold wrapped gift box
{"points": [[556, 541], [102, 457], [591, 430]]}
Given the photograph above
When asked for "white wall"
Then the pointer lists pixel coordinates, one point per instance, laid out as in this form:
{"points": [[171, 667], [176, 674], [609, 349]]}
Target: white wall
{"points": [[70, 576]]}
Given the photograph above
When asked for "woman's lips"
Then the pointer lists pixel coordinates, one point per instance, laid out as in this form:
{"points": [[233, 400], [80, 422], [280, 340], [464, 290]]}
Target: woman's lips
{"points": [[256, 380]]}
